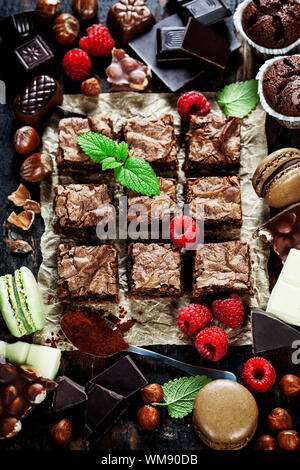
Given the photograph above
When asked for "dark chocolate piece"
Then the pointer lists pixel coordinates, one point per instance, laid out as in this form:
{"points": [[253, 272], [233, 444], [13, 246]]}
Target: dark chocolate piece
{"points": [[270, 333], [205, 44], [33, 55], [123, 378], [19, 28], [68, 394], [38, 99], [206, 11], [174, 77], [169, 40]]}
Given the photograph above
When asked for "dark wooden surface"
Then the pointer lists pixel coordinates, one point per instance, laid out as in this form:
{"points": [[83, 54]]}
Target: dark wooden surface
{"points": [[171, 434]]}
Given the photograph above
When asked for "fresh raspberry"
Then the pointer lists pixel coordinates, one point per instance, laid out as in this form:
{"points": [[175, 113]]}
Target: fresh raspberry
{"points": [[184, 230], [193, 318], [229, 311], [192, 103], [212, 343], [98, 41], [258, 375], [77, 64]]}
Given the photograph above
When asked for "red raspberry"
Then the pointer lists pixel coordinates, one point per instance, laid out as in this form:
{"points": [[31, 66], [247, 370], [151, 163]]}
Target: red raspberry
{"points": [[193, 318], [258, 375], [229, 311], [77, 64], [192, 103], [98, 41], [212, 343], [184, 230]]}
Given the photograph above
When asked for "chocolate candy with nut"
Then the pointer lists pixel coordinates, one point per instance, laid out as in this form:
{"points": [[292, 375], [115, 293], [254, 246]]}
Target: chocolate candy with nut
{"points": [[127, 73], [21, 389]]}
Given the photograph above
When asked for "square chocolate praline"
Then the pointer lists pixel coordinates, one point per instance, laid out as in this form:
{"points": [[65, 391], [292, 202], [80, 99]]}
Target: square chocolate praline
{"points": [[154, 270], [216, 200], [155, 141], [70, 157], [79, 208], [221, 268], [130, 18], [213, 144], [87, 274]]}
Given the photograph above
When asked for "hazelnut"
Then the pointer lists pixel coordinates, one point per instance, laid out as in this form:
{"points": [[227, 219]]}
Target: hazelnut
{"points": [[290, 385], [148, 417], [86, 9], [61, 432], [279, 419], [66, 28], [26, 140], [288, 440], [37, 167], [20, 247], [48, 9], [90, 87], [152, 393], [266, 442]]}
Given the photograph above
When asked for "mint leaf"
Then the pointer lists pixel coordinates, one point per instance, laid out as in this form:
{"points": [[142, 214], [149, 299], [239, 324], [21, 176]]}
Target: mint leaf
{"points": [[121, 152], [110, 163], [238, 99], [97, 146], [179, 394], [138, 175]]}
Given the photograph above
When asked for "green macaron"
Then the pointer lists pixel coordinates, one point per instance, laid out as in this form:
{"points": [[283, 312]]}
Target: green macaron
{"points": [[21, 303]]}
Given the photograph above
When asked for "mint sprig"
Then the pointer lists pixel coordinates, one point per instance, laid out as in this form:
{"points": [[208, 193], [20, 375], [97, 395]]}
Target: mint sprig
{"points": [[180, 394], [238, 99], [133, 172]]}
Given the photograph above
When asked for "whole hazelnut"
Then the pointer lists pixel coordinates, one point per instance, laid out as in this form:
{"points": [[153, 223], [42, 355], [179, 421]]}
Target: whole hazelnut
{"points": [[48, 9], [86, 9], [148, 417], [90, 87], [290, 385], [36, 168], [65, 28], [26, 140], [152, 393], [61, 432], [279, 419], [266, 442], [288, 440]]}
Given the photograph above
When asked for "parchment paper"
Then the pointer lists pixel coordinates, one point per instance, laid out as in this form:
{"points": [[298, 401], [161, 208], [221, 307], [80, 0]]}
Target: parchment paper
{"points": [[155, 319]]}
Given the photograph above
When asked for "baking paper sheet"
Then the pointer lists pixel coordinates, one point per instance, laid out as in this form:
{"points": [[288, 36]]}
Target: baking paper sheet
{"points": [[155, 319]]}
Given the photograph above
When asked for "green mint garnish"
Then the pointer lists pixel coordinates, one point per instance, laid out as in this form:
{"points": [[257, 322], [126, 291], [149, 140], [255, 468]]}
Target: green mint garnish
{"points": [[238, 99], [133, 172], [179, 394]]}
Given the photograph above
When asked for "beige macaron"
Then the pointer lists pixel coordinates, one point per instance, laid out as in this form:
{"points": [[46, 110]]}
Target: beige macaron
{"points": [[277, 177], [225, 415]]}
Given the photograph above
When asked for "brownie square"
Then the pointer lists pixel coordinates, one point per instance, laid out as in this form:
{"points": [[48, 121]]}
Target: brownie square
{"points": [[154, 270], [216, 200], [155, 141], [87, 274], [213, 144], [221, 268], [70, 158], [79, 208]]}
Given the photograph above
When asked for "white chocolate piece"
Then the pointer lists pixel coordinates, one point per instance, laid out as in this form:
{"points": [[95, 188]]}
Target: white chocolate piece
{"points": [[44, 359], [17, 352]]}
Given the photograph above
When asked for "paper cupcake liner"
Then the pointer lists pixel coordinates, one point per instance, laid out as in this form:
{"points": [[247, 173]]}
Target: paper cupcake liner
{"points": [[291, 122], [262, 52]]}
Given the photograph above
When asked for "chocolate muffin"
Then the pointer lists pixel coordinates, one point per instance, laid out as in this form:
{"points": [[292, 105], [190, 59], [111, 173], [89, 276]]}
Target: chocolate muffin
{"points": [[272, 23], [281, 86]]}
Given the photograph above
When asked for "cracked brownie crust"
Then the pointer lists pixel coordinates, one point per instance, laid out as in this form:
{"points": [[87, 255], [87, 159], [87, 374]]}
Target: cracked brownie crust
{"points": [[213, 144], [154, 270], [221, 268], [87, 274], [216, 200]]}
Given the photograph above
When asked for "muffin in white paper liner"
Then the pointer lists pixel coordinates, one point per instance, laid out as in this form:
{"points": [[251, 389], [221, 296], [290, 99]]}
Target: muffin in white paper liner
{"points": [[291, 122], [263, 52]]}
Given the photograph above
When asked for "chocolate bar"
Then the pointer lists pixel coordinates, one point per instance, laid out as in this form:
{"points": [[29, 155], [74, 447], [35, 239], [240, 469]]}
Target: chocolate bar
{"points": [[19, 28], [123, 378], [205, 11], [34, 56], [127, 73], [68, 394], [282, 231], [169, 40], [205, 44], [36, 102], [21, 389]]}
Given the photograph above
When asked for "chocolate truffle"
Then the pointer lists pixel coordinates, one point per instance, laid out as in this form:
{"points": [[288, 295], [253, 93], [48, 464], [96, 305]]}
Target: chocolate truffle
{"points": [[225, 415]]}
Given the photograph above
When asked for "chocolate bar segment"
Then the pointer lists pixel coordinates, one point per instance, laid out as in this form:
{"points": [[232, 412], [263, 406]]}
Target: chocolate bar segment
{"points": [[68, 394], [206, 11], [127, 73], [169, 41], [33, 55]]}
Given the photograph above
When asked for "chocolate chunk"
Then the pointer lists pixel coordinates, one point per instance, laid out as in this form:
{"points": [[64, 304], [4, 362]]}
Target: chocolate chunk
{"points": [[270, 333], [127, 73], [206, 11], [205, 44], [34, 55], [68, 394], [169, 41], [19, 28], [123, 378]]}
